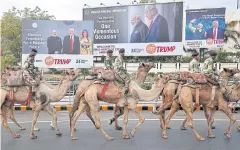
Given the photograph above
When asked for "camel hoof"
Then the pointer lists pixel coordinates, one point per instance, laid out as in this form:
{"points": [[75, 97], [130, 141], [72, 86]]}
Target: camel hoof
{"points": [[227, 135], [183, 128], [33, 137], [118, 128], [126, 137], [168, 127], [74, 138], [16, 136], [211, 136], [75, 129], [22, 128], [110, 138], [238, 128], [58, 134], [36, 129], [96, 127], [165, 136], [132, 134], [201, 138], [213, 127], [110, 122]]}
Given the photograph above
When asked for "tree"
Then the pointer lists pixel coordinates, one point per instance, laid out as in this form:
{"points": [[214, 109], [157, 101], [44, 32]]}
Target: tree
{"points": [[234, 35], [11, 30]]}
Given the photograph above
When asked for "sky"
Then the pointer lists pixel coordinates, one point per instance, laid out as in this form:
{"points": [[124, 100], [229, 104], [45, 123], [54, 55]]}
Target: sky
{"points": [[72, 9]]}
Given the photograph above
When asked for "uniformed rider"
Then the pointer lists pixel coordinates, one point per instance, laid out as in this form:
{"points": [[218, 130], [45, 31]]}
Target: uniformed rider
{"points": [[109, 60], [120, 70], [194, 65]]}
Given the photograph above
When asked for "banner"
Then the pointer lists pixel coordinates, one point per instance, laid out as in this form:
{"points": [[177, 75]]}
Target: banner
{"points": [[61, 61], [205, 28], [58, 37], [143, 30]]}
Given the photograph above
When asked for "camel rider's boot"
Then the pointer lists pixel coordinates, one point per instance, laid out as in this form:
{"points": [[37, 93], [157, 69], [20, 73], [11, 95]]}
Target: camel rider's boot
{"points": [[211, 105]]}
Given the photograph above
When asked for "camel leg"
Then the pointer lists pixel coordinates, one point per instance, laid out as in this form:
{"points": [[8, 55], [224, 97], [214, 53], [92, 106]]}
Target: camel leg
{"points": [[238, 127], [141, 120], [35, 116], [4, 111], [88, 113], [50, 109], [12, 117], [210, 121], [161, 111], [117, 113], [225, 109], [82, 108], [95, 109], [173, 110], [125, 121]]}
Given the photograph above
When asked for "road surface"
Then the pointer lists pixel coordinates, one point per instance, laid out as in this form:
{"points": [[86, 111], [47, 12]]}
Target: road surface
{"points": [[147, 137]]}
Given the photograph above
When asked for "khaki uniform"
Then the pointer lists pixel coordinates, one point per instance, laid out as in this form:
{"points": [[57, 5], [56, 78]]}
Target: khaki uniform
{"points": [[194, 66], [109, 62], [208, 67], [121, 71]]}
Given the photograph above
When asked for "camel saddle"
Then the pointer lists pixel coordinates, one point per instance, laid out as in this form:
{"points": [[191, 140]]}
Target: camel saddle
{"points": [[106, 74], [15, 79]]}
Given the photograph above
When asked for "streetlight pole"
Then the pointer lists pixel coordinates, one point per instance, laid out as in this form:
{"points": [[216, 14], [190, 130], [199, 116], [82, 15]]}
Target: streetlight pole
{"points": [[237, 4]]}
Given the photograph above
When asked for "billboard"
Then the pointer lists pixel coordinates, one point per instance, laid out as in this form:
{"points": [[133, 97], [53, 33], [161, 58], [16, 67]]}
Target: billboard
{"points": [[58, 39], [143, 30], [205, 28]]}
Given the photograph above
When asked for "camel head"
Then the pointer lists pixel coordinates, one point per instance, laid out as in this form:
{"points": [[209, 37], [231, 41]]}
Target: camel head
{"points": [[160, 81], [145, 67], [71, 74], [229, 72]]}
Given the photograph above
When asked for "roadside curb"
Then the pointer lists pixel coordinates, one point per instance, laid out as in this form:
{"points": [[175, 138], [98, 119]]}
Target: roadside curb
{"points": [[103, 107]]}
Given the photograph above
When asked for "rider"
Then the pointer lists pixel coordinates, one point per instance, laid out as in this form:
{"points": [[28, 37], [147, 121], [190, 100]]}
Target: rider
{"points": [[121, 71], [209, 70], [194, 64], [29, 66], [109, 60], [29, 63]]}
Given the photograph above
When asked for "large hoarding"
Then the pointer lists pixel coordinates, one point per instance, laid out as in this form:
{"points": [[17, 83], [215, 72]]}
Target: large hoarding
{"points": [[205, 28], [60, 44], [143, 30]]}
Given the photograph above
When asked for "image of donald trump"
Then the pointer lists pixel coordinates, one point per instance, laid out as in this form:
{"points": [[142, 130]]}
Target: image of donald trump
{"points": [[158, 28]]}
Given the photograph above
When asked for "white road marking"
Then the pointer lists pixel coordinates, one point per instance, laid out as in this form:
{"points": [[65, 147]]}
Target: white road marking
{"points": [[82, 120]]}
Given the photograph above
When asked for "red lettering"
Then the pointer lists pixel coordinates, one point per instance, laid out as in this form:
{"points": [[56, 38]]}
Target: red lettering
{"points": [[218, 41], [62, 61], [162, 49]]}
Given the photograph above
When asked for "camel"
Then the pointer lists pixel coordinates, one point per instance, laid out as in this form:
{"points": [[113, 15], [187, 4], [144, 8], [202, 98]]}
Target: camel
{"points": [[45, 94], [115, 95], [188, 95], [234, 97], [140, 77], [168, 94]]}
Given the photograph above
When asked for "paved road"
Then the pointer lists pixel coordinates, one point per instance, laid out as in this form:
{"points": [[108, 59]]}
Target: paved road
{"points": [[147, 137]]}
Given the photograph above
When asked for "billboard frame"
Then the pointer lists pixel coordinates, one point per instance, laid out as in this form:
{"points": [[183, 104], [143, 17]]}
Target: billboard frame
{"points": [[140, 4]]}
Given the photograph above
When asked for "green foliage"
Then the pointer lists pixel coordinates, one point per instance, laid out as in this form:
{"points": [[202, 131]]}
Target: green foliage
{"points": [[11, 29], [186, 59]]}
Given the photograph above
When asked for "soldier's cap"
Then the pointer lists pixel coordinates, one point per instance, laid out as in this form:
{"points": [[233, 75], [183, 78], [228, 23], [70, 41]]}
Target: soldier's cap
{"points": [[109, 51], [195, 54], [212, 53], [31, 55], [122, 50], [34, 50]]}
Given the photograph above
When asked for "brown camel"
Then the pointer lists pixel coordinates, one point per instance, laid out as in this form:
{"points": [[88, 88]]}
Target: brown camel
{"points": [[140, 77], [186, 98], [115, 95], [233, 97], [45, 94]]}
